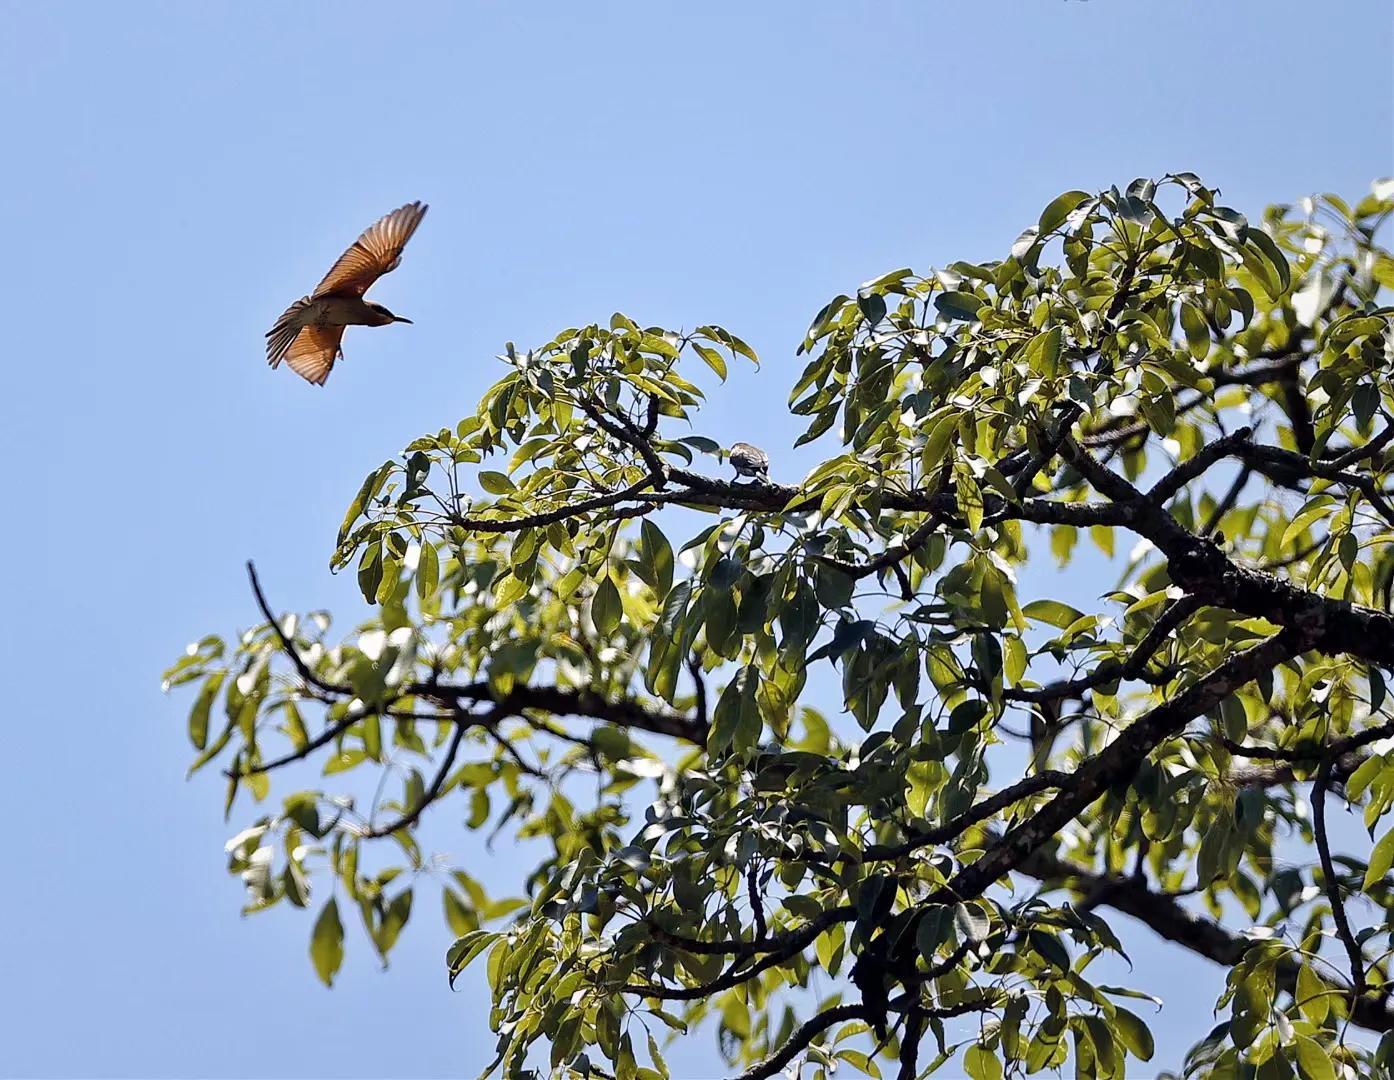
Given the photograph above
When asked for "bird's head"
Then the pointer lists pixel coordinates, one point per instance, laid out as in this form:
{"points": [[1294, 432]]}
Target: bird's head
{"points": [[385, 315]]}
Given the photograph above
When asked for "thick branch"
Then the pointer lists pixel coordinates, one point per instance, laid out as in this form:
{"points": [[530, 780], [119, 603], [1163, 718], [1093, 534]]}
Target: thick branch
{"points": [[1279, 464], [910, 1043], [738, 973], [1115, 764], [1169, 919], [1201, 568], [1340, 752]]}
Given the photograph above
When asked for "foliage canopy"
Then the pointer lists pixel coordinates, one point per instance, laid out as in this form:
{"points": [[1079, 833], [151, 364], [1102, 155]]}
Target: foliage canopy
{"points": [[582, 636]]}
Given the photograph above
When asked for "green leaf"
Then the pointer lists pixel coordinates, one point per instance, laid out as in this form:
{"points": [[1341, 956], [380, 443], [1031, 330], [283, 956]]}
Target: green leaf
{"points": [[372, 484], [1364, 775], [1053, 612], [932, 932], [937, 445], [958, 305], [658, 1062], [1381, 859], [344, 761], [873, 308], [1312, 995], [1060, 208], [701, 443], [372, 736], [370, 572], [737, 724], [1196, 329], [398, 912], [427, 571], [466, 949], [203, 704], [458, 915], [295, 726], [327, 943], [829, 948], [982, 1064], [1314, 1062], [973, 925], [1320, 507], [1234, 722], [1351, 327], [969, 496], [657, 561], [714, 359], [1274, 256], [1042, 352], [606, 608], [496, 483], [1050, 948], [1133, 1033]]}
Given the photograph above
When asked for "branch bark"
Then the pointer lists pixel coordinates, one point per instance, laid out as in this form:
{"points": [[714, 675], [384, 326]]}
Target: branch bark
{"points": [[1169, 919]]}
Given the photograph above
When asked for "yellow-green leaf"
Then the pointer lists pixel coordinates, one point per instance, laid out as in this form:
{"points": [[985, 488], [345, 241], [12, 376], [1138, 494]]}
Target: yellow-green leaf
{"points": [[327, 943], [1314, 1062], [1134, 1034], [1381, 859], [1311, 995], [606, 608], [981, 1064]]}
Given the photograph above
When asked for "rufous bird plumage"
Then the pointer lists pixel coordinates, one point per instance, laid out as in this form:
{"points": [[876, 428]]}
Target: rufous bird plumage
{"points": [[308, 336]]}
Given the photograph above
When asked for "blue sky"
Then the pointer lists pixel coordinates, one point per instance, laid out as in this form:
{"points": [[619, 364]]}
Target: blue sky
{"points": [[175, 174]]}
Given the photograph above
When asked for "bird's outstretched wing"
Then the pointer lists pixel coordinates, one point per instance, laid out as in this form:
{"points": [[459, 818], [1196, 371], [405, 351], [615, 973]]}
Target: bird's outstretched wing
{"points": [[313, 352], [280, 336], [373, 254]]}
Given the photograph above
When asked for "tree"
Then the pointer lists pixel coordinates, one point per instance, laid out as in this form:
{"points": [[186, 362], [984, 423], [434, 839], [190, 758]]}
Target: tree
{"points": [[610, 650]]}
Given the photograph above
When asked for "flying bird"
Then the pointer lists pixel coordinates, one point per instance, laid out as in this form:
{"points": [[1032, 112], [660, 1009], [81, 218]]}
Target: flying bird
{"points": [[307, 336], [750, 460]]}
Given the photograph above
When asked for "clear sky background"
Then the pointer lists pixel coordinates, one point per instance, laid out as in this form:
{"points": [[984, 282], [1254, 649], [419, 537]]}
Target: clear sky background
{"points": [[174, 174]]}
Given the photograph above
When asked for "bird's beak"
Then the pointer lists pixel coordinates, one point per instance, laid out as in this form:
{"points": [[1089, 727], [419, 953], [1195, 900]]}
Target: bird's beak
{"points": [[398, 318]]}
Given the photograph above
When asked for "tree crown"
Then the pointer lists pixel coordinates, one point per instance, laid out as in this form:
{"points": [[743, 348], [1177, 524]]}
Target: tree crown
{"points": [[591, 640]]}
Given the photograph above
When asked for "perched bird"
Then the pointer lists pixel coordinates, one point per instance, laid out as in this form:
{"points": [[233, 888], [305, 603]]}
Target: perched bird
{"points": [[750, 460], [307, 336]]}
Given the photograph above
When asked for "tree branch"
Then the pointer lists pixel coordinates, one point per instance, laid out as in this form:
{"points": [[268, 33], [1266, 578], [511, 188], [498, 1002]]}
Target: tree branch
{"points": [[631, 436], [910, 1043], [1197, 464], [1201, 568], [801, 1038], [1170, 920], [1114, 764], [981, 811], [787, 943], [1109, 670], [622, 712], [1328, 874], [430, 795], [561, 513], [288, 646]]}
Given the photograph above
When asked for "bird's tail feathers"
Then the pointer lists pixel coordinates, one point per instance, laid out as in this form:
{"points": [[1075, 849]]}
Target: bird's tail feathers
{"points": [[280, 336]]}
